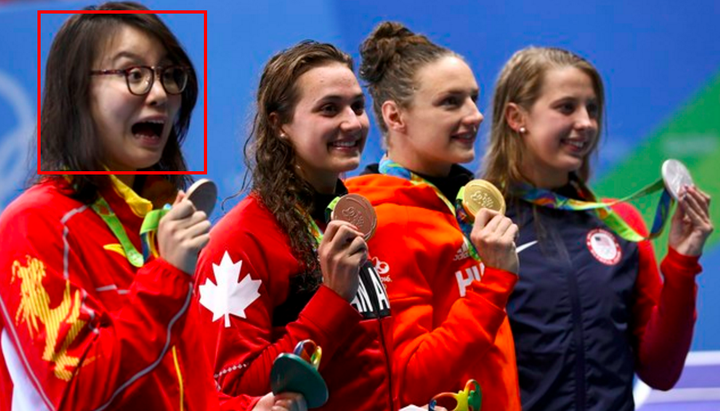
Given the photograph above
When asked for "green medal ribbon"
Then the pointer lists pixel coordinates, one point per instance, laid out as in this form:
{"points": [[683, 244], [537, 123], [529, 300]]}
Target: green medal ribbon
{"points": [[550, 199], [149, 228]]}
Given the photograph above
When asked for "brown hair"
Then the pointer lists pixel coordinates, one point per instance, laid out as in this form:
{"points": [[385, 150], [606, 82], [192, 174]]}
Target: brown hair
{"points": [[67, 134], [520, 82], [391, 57], [271, 159]]}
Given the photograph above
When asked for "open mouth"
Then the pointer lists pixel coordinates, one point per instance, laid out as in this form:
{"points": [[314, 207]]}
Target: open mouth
{"points": [[148, 129]]}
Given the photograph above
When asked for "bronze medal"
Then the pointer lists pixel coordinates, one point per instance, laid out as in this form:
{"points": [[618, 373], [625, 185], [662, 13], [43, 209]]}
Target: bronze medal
{"points": [[481, 194], [203, 195], [356, 210]]}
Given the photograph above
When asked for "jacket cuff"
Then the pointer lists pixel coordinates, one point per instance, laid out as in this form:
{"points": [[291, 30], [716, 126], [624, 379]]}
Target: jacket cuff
{"points": [[331, 313], [681, 265]]}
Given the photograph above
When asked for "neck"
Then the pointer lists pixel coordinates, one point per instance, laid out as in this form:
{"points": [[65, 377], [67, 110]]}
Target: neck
{"points": [[323, 184], [541, 178], [127, 179], [408, 159]]}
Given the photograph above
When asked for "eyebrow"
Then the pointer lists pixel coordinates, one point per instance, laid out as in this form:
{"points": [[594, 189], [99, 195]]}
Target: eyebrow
{"points": [[334, 97], [458, 91], [134, 57]]}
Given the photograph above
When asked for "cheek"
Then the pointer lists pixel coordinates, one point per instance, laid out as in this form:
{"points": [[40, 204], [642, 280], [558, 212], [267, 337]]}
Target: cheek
{"points": [[175, 105]]}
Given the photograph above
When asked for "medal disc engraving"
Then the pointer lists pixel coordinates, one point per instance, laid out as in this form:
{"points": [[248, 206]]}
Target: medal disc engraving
{"points": [[481, 194], [675, 175], [356, 210]]}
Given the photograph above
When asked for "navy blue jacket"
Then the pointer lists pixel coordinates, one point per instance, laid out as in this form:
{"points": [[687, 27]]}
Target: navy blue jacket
{"points": [[571, 311]]}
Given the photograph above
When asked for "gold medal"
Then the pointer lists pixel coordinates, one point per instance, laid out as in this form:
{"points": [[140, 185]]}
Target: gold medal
{"points": [[356, 210], [479, 194]]}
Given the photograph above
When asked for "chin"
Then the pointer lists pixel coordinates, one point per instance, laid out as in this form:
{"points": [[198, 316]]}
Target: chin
{"points": [[464, 158], [347, 166]]}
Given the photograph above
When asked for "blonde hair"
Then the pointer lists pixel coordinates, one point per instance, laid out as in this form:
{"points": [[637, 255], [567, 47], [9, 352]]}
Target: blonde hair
{"points": [[520, 82]]}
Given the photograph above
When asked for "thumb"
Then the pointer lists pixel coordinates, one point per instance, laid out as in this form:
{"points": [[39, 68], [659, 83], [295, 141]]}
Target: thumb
{"points": [[180, 196]]}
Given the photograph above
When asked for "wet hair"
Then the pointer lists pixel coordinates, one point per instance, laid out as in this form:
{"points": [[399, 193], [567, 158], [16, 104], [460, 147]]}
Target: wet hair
{"points": [[391, 56], [271, 159], [521, 82], [68, 140]]}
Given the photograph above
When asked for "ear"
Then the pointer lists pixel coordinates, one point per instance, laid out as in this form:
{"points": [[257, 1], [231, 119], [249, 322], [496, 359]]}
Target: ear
{"points": [[392, 115], [274, 120], [515, 116]]}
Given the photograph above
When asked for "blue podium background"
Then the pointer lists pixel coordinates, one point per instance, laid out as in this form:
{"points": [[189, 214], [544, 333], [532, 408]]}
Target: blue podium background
{"points": [[655, 57]]}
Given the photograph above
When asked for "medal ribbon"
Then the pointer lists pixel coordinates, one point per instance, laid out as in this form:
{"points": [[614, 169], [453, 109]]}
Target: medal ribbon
{"points": [[550, 199], [391, 168], [315, 230], [147, 231]]}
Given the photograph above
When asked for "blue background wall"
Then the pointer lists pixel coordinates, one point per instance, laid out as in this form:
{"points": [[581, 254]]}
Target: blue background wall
{"points": [[656, 58]]}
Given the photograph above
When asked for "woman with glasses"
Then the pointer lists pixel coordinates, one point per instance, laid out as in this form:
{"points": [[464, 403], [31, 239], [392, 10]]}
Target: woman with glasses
{"points": [[89, 321]]}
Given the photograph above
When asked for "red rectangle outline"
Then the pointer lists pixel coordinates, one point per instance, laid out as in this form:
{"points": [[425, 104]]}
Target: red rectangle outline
{"points": [[39, 97]]}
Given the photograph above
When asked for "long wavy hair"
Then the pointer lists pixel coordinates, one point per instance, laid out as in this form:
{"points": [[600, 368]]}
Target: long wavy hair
{"points": [[68, 140], [521, 82], [271, 160]]}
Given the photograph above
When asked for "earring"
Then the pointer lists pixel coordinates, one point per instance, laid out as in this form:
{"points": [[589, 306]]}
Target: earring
{"points": [[522, 130]]}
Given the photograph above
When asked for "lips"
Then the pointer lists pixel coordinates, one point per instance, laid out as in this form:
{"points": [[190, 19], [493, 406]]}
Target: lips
{"points": [[577, 146]]}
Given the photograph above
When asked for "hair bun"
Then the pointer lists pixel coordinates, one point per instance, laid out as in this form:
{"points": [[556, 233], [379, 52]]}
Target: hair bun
{"points": [[381, 47]]}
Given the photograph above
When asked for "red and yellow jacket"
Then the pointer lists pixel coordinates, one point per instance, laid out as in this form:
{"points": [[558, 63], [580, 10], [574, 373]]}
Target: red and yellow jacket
{"points": [[81, 328], [251, 312], [449, 316]]}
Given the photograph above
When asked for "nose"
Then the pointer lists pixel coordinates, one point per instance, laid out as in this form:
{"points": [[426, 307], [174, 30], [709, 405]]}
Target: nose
{"points": [[351, 121], [157, 95], [474, 117], [585, 120]]}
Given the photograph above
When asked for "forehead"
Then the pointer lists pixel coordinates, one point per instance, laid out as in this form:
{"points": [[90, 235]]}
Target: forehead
{"points": [[331, 79], [128, 42], [560, 81], [446, 73]]}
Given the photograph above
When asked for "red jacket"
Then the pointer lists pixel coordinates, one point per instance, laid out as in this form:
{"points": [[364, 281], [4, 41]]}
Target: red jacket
{"points": [[82, 329], [260, 316], [450, 320]]}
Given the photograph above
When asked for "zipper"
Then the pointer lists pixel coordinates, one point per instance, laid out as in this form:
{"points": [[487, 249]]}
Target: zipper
{"points": [[364, 276]]}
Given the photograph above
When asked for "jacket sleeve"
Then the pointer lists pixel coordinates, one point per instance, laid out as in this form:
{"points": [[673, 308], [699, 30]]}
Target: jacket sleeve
{"points": [[242, 343], [429, 351], [663, 313], [76, 355]]}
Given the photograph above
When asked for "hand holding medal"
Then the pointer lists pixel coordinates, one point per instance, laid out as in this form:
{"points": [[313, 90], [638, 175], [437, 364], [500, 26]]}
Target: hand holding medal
{"points": [[192, 216], [343, 249], [690, 226], [480, 209]]}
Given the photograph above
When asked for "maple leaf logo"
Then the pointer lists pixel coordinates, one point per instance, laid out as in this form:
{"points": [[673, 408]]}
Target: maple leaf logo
{"points": [[228, 296]]}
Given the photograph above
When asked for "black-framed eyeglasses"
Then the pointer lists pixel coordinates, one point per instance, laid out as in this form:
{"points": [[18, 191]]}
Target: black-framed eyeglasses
{"points": [[140, 79]]}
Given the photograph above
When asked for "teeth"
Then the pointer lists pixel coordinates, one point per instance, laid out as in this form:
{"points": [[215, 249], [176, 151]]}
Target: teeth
{"points": [[155, 121], [345, 143], [578, 144]]}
